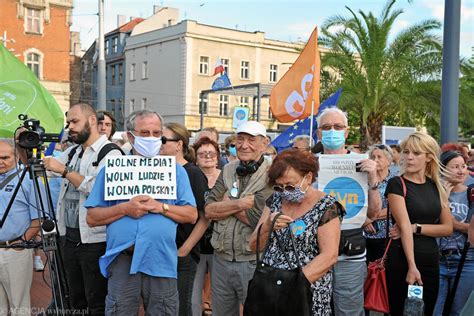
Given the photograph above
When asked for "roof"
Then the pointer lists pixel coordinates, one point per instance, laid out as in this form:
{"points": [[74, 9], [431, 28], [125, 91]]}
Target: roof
{"points": [[127, 27]]}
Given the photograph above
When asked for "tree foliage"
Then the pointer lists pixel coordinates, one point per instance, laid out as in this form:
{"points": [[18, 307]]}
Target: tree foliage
{"points": [[384, 80]]}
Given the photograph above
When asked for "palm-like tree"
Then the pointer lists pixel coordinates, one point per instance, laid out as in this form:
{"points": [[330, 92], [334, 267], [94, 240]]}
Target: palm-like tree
{"points": [[380, 77]]}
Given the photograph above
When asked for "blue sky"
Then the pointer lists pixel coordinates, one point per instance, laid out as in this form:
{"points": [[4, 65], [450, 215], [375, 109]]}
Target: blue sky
{"points": [[279, 19]]}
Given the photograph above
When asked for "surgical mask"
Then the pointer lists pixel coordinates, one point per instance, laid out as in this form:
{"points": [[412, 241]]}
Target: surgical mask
{"points": [[233, 151], [148, 147], [333, 139]]}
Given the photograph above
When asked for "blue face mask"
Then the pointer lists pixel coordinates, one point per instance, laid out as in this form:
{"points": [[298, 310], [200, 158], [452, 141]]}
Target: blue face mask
{"points": [[333, 139], [233, 151], [294, 196]]}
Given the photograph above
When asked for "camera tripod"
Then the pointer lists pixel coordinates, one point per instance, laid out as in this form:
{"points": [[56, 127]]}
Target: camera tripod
{"points": [[49, 234]]}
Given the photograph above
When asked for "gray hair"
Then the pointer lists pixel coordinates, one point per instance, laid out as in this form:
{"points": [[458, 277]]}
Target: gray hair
{"points": [[304, 138], [332, 111], [130, 123], [387, 151], [9, 141]]}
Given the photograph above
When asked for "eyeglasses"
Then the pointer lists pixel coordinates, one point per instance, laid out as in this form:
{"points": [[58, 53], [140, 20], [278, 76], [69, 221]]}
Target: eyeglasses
{"points": [[149, 133], [164, 140], [287, 187], [207, 154], [337, 127]]}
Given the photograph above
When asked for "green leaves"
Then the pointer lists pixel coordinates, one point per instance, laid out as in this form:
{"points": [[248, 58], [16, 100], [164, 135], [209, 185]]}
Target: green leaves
{"points": [[383, 75]]}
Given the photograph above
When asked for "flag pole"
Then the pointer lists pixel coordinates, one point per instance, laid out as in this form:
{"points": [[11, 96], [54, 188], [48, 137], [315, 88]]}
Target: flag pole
{"points": [[311, 125]]}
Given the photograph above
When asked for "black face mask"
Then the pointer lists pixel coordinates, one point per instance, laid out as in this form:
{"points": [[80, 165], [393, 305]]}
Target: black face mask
{"points": [[81, 137]]}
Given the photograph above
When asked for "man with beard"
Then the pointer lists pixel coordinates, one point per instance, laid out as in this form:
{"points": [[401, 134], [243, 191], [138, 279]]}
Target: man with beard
{"points": [[81, 245]]}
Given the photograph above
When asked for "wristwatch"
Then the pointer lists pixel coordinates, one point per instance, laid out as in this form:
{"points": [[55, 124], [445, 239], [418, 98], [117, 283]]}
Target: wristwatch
{"points": [[418, 229], [165, 208], [67, 169]]}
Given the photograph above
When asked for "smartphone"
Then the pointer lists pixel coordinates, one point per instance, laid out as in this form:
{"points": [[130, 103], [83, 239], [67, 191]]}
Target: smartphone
{"points": [[358, 167]]}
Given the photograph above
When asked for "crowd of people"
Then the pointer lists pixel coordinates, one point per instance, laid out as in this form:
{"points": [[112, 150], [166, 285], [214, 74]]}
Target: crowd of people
{"points": [[198, 254]]}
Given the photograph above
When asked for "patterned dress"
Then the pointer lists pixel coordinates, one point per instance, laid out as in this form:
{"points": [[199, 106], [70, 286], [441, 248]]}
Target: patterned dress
{"points": [[307, 245]]}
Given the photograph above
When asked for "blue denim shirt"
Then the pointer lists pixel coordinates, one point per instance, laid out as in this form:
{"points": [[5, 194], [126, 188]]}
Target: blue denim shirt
{"points": [[153, 235], [23, 209]]}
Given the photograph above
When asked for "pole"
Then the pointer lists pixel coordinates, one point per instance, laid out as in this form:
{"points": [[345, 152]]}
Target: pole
{"points": [[259, 99], [101, 84], [201, 111], [450, 78], [311, 125]]}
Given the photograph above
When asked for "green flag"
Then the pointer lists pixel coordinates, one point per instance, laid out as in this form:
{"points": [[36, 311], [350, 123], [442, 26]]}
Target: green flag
{"points": [[22, 93]]}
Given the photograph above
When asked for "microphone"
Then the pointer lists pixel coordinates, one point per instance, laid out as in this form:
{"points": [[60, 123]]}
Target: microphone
{"points": [[49, 235]]}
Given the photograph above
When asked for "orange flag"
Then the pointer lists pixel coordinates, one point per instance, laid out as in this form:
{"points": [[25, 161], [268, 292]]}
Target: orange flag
{"points": [[292, 95]]}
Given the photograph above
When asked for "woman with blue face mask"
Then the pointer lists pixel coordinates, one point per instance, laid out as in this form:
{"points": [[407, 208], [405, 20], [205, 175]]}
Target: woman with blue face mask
{"points": [[309, 216]]}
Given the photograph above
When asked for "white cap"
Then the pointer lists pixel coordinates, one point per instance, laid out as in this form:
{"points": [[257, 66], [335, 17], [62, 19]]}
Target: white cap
{"points": [[253, 128]]}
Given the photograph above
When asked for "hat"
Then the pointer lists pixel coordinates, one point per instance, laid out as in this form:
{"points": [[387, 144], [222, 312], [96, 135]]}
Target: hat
{"points": [[253, 128], [447, 156]]}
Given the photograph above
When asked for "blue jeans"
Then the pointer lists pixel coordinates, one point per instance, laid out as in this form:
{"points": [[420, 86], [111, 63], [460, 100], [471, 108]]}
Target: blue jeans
{"points": [[448, 266]]}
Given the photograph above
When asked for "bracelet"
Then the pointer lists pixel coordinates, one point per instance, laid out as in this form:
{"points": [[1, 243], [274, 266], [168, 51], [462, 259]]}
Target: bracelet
{"points": [[375, 186], [165, 208]]}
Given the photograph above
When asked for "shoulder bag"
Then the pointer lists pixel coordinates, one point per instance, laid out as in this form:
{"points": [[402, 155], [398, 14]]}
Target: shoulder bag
{"points": [[277, 292]]}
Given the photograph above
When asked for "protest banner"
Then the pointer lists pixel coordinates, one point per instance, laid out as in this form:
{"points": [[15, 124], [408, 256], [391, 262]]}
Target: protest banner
{"points": [[338, 177], [129, 176]]}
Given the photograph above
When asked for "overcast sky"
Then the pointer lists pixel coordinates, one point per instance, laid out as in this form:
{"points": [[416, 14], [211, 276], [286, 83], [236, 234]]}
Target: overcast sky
{"points": [[281, 20]]}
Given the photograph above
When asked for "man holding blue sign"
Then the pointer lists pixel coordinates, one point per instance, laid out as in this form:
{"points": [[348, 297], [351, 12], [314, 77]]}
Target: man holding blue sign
{"points": [[350, 270], [141, 255]]}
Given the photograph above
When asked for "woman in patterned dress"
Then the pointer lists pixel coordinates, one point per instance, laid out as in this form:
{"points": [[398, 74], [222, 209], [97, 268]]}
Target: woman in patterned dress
{"points": [[313, 218]]}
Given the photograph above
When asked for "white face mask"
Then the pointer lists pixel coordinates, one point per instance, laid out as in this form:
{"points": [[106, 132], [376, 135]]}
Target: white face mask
{"points": [[148, 147]]}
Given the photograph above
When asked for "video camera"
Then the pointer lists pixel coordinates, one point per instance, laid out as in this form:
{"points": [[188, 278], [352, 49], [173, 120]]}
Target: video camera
{"points": [[35, 135]]}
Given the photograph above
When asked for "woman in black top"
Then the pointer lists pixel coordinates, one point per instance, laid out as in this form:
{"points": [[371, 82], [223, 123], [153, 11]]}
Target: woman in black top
{"points": [[420, 216], [175, 142]]}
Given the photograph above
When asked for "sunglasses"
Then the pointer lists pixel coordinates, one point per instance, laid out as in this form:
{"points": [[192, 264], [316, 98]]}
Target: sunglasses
{"points": [[232, 145], [287, 187], [207, 154], [164, 140], [382, 147]]}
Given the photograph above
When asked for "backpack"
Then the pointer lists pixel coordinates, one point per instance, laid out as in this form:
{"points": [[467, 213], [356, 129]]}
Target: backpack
{"points": [[102, 153], [470, 194]]}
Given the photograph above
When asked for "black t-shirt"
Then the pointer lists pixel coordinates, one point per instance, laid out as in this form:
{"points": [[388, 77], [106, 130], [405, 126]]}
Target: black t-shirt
{"points": [[423, 206], [200, 187]]}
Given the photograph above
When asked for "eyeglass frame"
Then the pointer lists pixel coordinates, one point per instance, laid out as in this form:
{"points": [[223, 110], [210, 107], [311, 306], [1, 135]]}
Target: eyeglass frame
{"points": [[328, 127], [207, 154], [149, 133]]}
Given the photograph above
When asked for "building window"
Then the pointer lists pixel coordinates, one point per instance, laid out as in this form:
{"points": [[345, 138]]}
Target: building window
{"points": [[132, 72], [113, 75], [270, 116], [204, 65], [114, 45], [145, 70], [112, 106], [132, 105], [33, 61], [223, 105], [225, 62], [120, 73], [107, 47], [203, 105], [273, 73], [33, 20], [144, 101], [244, 101], [244, 69]]}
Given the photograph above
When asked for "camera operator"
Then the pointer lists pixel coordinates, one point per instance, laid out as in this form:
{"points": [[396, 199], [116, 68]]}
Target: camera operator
{"points": [[82, 245], [21, 225]]}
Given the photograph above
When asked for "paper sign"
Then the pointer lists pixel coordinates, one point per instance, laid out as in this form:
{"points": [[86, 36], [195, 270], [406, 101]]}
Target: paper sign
{"points": [[338, 177], [129, 176]]}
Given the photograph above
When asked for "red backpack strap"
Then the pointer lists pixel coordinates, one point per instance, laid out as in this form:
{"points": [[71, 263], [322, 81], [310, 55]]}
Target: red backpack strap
{"points": [[404, 187]]}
